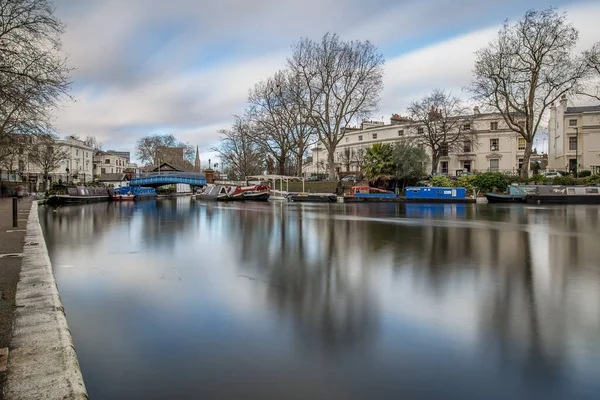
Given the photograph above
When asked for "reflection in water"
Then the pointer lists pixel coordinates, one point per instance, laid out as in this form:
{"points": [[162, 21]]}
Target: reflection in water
{"points": [[177, 298]]}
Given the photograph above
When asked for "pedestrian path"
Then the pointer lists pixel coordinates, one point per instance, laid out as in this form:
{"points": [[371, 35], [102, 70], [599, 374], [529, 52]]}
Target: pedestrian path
{"points": [[11, 253]]}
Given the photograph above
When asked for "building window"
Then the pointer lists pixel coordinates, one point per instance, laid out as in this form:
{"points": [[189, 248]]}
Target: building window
{"points": [[494, 165], [573, 143], [76, 152], [572, 122], [520, 163], [521, 143], [359, 137], [347, 139], [400, 132], [444, 150], [102, 170], [444, 167], [107, 161], [420, 131], [494, 144], [493, 126], [374, 136], [467, 146], [466, 127], [521, 124]]}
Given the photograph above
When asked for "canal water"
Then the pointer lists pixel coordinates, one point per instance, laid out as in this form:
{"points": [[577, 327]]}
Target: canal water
{"points": [[183, 299]]}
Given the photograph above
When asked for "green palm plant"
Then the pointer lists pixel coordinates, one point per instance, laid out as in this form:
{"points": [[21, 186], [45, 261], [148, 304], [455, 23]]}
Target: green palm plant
{"points": [[379, 163]]}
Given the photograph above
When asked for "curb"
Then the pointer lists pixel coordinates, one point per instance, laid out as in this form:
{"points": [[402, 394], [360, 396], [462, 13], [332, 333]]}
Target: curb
{"points": [[42, 362]]}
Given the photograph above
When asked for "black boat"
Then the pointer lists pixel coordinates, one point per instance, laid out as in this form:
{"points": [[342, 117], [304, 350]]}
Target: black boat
{"points": [[565, 195], [312, 197], [514, 194], [81, 195]]}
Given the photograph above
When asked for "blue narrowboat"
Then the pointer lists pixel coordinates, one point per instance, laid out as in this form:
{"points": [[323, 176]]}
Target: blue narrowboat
{"points": [[437, 194]]}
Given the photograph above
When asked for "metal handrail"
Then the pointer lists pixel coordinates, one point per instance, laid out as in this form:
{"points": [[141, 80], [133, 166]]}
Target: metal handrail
{"points": [[170, 173]]}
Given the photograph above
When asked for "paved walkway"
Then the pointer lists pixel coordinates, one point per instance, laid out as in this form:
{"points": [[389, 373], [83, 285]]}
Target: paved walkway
{"points": [[11, 249]]}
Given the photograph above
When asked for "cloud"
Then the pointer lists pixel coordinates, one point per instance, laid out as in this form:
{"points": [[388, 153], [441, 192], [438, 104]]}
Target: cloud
{"points": [[149, 66]]}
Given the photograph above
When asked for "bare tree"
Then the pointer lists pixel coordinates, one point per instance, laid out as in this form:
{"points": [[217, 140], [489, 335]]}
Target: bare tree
{"points": [[592, 60], [266, 110], [238, 151], [33, 73], [47, 152], [13, 152], [527, 68], [282, 129], [346, 158], [358, 158], [441, 118], [342, 80], [92, 142], [156, 149]]}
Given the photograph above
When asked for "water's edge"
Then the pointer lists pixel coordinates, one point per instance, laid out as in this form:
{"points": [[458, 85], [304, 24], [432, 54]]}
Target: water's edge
{"points": [[42, 361]]}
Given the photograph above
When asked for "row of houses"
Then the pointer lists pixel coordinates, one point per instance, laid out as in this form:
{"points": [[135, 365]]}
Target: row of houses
{"points": [[81, 163], [573, 143]]}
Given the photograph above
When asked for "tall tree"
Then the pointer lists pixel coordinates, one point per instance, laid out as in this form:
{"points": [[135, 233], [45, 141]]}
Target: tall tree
{"points": [[48, 153], [525, 69], [276, 108], [33, 72], [156, 149], [92, 142], [592, 60], [441, 118], [343, 81], [410, 162], [240, 155]]}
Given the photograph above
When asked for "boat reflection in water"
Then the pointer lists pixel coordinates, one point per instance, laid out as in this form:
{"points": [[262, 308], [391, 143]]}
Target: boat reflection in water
{"points": [[324, 301]]}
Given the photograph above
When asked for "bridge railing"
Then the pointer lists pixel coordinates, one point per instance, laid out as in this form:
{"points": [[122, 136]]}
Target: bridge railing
{"points": [[170, 173]]}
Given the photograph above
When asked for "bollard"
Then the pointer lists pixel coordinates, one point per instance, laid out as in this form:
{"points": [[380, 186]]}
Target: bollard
{"points": [[15, 221]]}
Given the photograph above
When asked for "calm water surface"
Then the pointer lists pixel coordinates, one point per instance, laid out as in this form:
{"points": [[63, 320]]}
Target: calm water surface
{"points": [[182, 299]]}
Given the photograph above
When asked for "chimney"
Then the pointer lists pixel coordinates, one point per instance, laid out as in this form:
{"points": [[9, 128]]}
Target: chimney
{"points": [[563, 102], [476, 110]]}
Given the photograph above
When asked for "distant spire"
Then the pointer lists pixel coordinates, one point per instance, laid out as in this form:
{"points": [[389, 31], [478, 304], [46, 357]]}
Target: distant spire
{"points": [[197, 162]]}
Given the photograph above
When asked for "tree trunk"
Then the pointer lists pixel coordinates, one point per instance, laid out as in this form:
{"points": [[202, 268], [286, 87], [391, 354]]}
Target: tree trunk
{"points": [[526, 157], [330, 161], [435, 160], [299, 168]]}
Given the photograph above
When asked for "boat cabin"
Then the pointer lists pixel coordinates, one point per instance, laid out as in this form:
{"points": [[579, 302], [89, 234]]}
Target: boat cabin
{"points": [[426, 192]]}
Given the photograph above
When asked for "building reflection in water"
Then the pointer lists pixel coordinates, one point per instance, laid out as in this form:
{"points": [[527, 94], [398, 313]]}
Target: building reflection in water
{"points": [[500, 301]]}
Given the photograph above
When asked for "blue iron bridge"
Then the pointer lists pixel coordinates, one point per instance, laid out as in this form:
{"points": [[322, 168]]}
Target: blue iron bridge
{"points": [[155, 179]]}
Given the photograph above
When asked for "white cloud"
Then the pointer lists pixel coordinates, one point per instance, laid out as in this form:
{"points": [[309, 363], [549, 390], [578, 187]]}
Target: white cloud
{"points": [[182, 68]]}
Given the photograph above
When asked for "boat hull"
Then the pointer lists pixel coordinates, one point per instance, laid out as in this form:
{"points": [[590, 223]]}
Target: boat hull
{"points": [[312, 198], [264, 196], [68, 199], [570, 199], [504, 198]]}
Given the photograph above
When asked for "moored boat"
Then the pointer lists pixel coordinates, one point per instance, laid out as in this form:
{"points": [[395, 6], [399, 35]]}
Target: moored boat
{"points": [[514, 194], [212, 192], [256, 193], [81, 195], [432, 194], [564, 195], [312, 197]]}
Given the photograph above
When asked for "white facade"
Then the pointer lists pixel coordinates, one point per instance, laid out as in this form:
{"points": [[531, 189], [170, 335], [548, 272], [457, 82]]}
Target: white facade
{"points": [[574, 138], [76, 167], [493, 146], [106, 163]]}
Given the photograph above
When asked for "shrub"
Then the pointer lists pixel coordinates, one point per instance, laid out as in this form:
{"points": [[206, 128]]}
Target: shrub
{"points": [[488, 181], [563, 180], [441, 181], [538, 178], [585, 173], [592, 180]]}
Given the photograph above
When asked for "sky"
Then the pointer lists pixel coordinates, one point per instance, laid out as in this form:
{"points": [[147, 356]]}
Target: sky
{"points": [[184, 67]]}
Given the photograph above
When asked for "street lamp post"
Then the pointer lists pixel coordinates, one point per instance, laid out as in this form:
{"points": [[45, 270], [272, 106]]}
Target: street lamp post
{"points": [[576, 152]]}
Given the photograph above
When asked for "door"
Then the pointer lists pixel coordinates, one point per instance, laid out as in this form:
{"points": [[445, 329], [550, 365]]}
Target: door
{"points": [[572, 165], [467, 166]]}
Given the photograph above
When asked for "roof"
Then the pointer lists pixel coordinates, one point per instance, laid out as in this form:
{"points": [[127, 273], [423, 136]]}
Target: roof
{"points": [[117, 177], [577, 110]]}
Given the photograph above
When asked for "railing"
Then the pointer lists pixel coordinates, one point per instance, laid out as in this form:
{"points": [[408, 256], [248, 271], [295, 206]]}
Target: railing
{"points": [[170, 173]]}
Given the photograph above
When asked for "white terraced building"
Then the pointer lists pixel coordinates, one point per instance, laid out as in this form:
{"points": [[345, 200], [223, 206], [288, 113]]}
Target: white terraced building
{"points": [[493, 146]]}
